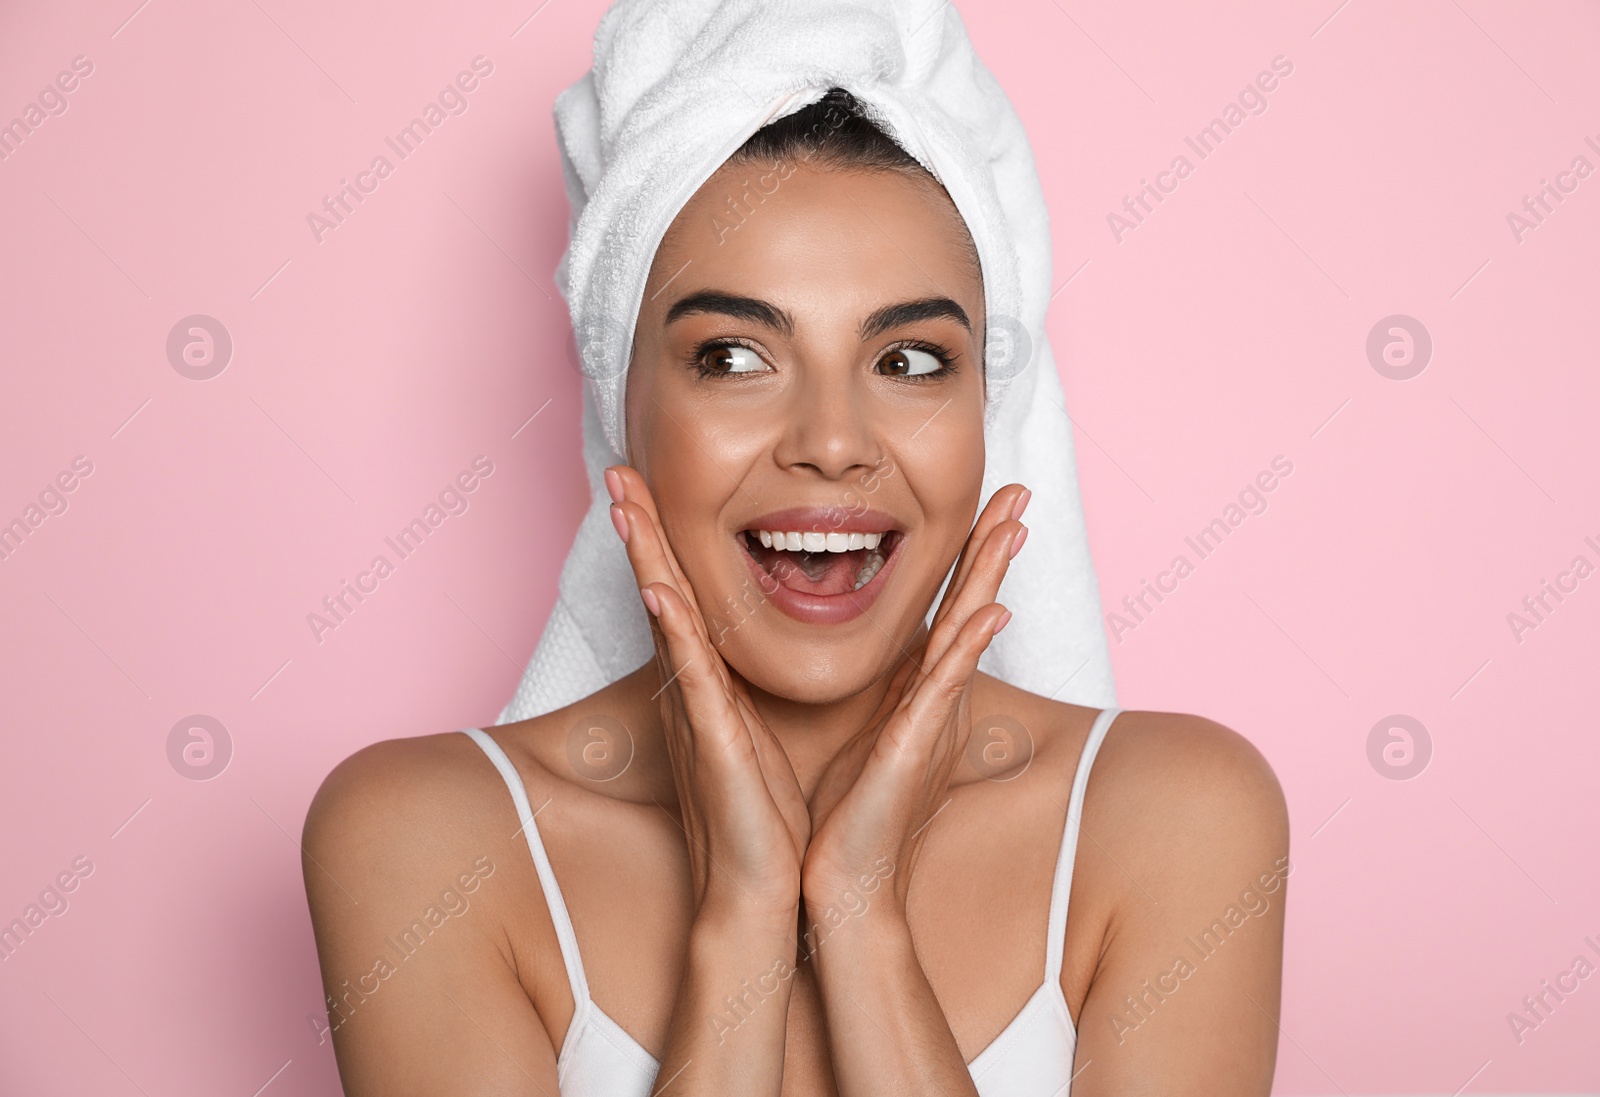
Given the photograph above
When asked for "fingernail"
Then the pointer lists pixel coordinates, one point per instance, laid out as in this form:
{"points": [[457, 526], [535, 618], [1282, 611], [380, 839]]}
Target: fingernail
{"points": [[614, 485], [1002, 624], [650, 602], [619, 520], [1022, 503], [1016, 546]]}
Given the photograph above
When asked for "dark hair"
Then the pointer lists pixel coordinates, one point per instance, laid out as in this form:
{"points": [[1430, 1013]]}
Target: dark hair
{"points": [[839, 131], [836, 131]]}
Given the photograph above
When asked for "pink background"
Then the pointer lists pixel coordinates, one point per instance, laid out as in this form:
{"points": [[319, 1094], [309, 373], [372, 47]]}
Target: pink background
{"points": [[368, 370]]}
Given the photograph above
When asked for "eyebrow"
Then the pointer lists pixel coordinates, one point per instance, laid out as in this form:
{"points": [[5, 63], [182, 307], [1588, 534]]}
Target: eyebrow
{"points": [[910, 312], [771, 316]]}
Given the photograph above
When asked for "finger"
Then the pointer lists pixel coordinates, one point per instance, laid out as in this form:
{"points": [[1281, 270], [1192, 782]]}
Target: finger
{"points": [[768, 749], [901, 682], [1003, 504], [937, 697], [650, 570], [783, 786], [651, 560], [920, 745], [635, 490], [981, 586], [738, 761], [713, 718], [637, 511], [646, 549]]}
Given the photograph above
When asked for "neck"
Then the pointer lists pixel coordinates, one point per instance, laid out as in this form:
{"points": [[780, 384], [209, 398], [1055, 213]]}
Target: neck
{"points": [[811, 733]]}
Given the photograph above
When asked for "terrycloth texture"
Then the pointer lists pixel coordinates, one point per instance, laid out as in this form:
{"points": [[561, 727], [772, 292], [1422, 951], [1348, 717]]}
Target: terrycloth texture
{"points": [[676, 87]]}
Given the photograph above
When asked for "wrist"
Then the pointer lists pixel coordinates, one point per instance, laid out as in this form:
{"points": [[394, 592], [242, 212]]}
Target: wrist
{"points": [[736, 955], [740, 920], [851, 926], [875, 889], [735, 993], [862, 945]]}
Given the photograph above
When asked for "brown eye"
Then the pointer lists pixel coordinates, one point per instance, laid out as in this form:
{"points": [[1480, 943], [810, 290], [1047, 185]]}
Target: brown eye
{"points": [[909, 362], [730, 358]]}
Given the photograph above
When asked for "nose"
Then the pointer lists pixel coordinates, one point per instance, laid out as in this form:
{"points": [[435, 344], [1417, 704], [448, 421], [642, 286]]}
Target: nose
{"points": [[829, 429]]}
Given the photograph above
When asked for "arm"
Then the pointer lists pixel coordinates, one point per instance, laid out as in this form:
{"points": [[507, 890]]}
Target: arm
{"points": [[872, 811], [410, 874], [393, 826], [711, 1049], [886, 1028], [423, 995], [746, 826], [1185, 999]]}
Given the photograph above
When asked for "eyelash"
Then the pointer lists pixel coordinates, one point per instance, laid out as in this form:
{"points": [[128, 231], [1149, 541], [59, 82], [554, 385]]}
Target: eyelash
{"points": [[944, 357]]}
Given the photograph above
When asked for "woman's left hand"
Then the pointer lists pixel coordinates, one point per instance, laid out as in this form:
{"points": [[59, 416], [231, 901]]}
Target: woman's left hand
{"points": [[871, 810]]}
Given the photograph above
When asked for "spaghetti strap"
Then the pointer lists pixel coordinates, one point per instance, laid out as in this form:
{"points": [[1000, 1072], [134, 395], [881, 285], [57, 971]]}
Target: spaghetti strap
{"points": [[547, 877], [1061, 889]]}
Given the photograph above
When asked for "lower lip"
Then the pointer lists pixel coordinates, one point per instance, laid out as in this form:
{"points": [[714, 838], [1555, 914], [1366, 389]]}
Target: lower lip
{"points": [[821, 609]]}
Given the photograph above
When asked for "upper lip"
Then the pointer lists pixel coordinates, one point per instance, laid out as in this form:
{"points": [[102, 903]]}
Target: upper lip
{"points": [[823, 520]]}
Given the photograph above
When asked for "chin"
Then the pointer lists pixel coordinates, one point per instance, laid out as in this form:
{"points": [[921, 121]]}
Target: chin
{"points": [[826, 673]]}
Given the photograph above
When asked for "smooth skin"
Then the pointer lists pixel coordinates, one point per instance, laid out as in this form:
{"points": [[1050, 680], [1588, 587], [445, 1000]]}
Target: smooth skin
{"points": [[798, 823]]}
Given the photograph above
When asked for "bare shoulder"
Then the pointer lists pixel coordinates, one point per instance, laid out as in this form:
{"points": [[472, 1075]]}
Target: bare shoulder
{"points": [[401, 823], [1162, 783], [1187, 874], [434, 786], [399, 798], [1196, 770], [1189, 781], [413, 863]]}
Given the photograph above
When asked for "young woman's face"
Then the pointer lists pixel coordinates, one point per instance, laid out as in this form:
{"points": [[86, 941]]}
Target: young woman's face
{"points": [[809, 361]]}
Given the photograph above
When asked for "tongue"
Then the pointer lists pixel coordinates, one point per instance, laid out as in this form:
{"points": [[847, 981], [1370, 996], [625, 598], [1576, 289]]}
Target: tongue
{"points": [[819, 573]]}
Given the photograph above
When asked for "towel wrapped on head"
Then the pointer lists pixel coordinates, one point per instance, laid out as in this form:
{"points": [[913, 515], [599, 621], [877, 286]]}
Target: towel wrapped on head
{"points": [[677, 86]]}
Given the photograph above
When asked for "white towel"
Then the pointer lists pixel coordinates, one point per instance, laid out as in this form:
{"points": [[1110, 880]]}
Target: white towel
{"points": [[676, 87]]}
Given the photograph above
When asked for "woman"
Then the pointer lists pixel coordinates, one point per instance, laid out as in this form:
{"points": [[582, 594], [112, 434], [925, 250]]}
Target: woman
{"points": [[805, 874]]}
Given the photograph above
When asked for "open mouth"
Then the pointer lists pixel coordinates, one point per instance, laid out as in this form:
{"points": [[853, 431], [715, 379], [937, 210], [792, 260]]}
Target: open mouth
{"points": [[821, 564]]}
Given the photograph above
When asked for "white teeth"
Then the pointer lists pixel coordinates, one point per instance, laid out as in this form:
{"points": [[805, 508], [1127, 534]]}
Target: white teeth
{"points": [[868, 570], [812, 541]]}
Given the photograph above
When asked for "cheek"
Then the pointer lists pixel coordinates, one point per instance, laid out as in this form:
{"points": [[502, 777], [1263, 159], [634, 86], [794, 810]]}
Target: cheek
{"points": [[695, 463], [941, 474], [944, 469], [674, 422], [697, 446]]}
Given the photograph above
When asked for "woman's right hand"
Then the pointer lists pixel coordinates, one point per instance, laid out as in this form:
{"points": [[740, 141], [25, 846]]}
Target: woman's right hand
{"points": [[745, 818]]}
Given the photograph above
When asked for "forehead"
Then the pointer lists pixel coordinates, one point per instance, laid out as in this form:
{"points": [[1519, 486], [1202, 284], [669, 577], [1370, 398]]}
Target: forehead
{"points": [[808, 234]]}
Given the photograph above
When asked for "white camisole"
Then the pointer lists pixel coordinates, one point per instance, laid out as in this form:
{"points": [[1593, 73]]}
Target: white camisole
{"points": [[1032, 1056]]}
